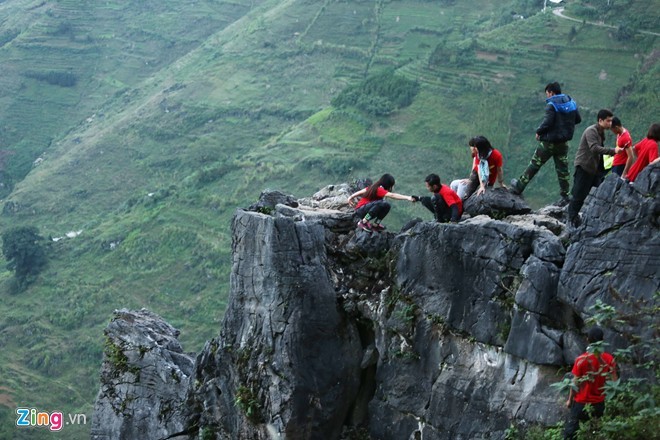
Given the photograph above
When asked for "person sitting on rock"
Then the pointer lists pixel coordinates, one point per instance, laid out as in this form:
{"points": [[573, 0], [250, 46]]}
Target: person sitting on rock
{"points": [[646, 151], [372, 208], [486, 169], [445, 204]]}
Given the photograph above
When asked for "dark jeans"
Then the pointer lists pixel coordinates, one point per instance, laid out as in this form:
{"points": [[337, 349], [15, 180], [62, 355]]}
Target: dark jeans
{"points": [[437, 205], [377, 209], [582, 184], [618, 169], [578, 414]]}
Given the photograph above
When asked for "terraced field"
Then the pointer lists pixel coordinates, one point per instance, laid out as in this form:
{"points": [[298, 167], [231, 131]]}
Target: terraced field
{"points": [[170, 115]]}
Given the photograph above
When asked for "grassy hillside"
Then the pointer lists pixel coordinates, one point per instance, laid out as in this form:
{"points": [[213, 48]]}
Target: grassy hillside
{"points": [[181, 112]]}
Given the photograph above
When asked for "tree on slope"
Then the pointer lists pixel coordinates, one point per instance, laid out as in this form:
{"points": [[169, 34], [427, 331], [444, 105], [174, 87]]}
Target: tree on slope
{"points": [[23, 249]]}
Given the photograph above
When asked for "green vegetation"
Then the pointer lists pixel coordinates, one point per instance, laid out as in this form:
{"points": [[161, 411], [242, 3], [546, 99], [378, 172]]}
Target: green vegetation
{"points": [[629, 15], [379, 95], [179, 115], [115, 355], [247, 401], [631, 409], [63, 79], [23, 249]]}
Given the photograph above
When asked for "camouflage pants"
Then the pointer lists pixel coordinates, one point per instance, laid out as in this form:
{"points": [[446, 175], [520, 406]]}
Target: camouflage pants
{"points": [[545, 151]]}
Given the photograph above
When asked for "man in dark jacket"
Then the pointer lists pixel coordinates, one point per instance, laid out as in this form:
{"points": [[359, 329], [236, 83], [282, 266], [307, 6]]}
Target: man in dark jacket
{"points": [[589, 163], [557, 128]]}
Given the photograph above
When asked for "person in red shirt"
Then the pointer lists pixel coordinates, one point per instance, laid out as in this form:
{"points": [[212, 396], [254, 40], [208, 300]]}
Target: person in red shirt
{"points": [[372, 208], [486, 169], [623, 160], [590, 372], [445, 203], [646, 152]]}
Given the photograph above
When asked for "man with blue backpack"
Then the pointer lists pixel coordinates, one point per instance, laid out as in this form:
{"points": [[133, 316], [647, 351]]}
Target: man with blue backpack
{"points": [[557, 128]]}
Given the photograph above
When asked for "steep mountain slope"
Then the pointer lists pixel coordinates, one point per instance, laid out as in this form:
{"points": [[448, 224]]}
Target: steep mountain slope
{"points": [[183, 111]]}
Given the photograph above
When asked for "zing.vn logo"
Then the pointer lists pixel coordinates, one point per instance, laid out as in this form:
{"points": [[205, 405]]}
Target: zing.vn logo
{"points": [[52, 421]]}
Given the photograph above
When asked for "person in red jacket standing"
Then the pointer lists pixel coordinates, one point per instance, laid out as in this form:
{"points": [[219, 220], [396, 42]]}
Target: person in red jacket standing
{"points": [[445, 204], [646, 151], [590, 372], [623, 160]]}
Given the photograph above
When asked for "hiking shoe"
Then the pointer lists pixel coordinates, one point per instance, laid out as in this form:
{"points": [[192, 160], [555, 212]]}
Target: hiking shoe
{"points": [[576, 221], [377, 227], [562, 202], [516, 187], [365, 226]]}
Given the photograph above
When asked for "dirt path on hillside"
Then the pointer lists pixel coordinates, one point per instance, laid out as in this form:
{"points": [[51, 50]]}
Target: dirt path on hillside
{"points": [[559, 12]]}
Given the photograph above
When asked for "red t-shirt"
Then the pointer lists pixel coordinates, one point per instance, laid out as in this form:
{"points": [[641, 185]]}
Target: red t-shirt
{"points": [[380, 193], [623, 140], [591, 373], [494, 162], [451, 198], [647, 152]]}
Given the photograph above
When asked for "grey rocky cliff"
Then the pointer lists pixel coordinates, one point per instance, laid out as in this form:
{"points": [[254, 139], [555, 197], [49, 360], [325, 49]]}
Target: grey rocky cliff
{"points": [[144, 379], [441, 331]]}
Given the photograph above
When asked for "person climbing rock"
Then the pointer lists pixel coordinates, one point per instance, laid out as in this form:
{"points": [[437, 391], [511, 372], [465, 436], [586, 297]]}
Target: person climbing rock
{"points": [[445, 204], [372, 206]]}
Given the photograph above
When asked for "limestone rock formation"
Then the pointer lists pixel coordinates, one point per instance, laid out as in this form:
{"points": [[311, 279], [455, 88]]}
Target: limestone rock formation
{"points": [[144, 379], [496, 203], [441, 331]]}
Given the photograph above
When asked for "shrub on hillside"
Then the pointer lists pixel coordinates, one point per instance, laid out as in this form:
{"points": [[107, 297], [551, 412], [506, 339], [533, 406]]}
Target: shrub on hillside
{"points": [[25, 254], [62, 79], [379, 95]]}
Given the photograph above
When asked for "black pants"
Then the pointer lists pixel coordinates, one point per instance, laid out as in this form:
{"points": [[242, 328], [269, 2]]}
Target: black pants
{"points": [[618, 169], [377, 209], [582, 184], [437, 205], [578, 414]]}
